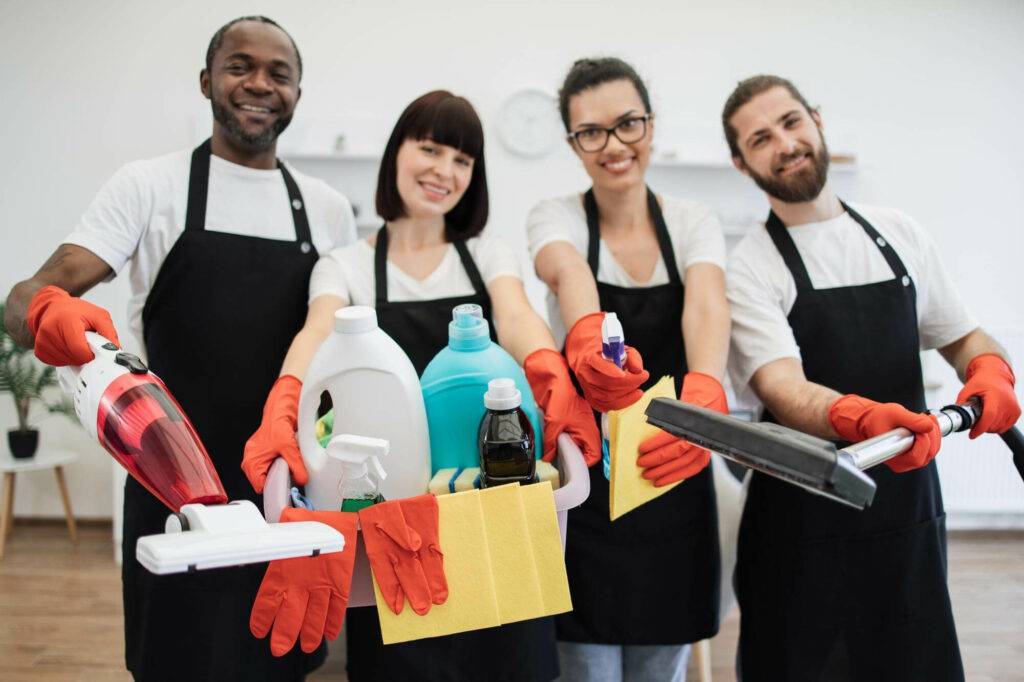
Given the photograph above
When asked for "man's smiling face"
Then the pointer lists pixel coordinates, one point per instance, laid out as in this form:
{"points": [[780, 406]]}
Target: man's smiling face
{"points": [[253, 84], [781, 146]]}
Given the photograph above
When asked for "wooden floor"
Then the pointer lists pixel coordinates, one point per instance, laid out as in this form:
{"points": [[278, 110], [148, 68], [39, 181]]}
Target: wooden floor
{"points": [[60, 608]]}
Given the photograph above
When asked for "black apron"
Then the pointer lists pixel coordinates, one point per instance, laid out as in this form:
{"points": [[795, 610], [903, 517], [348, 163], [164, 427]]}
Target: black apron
{"points": [[518, 652], [827, 592], [217, 323], [651, 576]]}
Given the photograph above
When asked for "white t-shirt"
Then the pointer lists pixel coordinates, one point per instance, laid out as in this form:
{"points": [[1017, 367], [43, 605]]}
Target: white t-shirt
{"points": [[694, 229], [138, 215], [836, 253], [347, 272]]}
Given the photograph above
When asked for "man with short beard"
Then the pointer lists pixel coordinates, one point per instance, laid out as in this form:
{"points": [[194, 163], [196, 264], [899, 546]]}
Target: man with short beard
{"points": [[831, 305], [221, 241]]}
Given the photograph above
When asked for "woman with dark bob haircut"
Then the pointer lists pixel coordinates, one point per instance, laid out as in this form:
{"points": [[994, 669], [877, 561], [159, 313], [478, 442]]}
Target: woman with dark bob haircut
{"points": [[432, 254], [647, 584]]}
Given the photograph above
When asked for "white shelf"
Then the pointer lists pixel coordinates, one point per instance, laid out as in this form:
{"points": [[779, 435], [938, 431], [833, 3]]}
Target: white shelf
{"points": [[684, 163], [333, 158]]}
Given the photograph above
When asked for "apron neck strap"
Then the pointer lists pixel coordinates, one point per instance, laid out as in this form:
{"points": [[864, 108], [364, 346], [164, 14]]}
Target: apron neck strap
{"points": [[298, 206], [199, 187], [899, 270], [380, 266], [660, 231], [470, 267], [791, 256]]}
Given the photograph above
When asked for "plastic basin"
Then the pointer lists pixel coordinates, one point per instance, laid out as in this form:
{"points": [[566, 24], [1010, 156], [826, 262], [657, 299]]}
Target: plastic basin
{"points": [[574, 490]]}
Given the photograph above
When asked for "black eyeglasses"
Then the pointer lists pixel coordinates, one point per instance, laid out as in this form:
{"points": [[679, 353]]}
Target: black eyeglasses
{"points": [[627, 131]]}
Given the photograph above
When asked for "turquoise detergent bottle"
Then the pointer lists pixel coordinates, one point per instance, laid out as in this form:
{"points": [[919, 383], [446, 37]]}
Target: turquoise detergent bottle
{"points": [[454, 384]]}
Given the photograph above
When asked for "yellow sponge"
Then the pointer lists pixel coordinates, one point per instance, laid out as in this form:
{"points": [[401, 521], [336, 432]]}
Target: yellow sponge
{"points": [[440, 484], [467, 479], [547, 472]]}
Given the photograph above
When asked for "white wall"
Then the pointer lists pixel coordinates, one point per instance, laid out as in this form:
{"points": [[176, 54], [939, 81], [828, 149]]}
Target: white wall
{"points": [[926, 94]]}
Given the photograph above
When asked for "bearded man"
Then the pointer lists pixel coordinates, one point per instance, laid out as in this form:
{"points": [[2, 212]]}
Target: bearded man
{"points": [[831, 306]]}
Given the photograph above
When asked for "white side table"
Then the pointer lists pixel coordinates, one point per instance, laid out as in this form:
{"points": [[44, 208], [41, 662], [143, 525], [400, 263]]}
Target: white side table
{"points": [[44, 459]]}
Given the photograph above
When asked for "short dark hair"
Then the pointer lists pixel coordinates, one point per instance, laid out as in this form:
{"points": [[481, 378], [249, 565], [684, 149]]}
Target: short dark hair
{"points": [[591, 72], [449, 120], [747, 90], [218, 38]]}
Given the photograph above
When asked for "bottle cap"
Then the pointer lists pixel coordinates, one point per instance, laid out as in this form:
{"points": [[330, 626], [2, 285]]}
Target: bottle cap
{"points": [[502, 394], [355, 319], [468, 329]]}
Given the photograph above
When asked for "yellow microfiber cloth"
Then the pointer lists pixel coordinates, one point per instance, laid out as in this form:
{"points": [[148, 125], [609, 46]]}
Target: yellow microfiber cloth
{"points": [[511, 550], [542, 519], [627, 428], [503, 560], [472, 602]]}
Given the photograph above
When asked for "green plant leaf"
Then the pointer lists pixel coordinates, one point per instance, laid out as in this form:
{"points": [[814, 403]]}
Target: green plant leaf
{"points": [[24, 377]]}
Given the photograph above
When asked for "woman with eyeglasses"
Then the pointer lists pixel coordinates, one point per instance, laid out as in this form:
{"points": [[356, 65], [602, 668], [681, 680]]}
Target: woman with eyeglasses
{"points": [[646, 585], [431, 254]]}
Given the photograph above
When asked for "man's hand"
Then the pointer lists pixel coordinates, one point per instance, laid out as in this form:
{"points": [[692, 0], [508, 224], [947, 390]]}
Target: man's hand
{"points": [[72, 268], [990, 379], [58, 323], [855, 419]]}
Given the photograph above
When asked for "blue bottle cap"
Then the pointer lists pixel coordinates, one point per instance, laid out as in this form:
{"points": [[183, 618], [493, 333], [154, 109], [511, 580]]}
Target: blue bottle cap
{"points": [[468, 329]]}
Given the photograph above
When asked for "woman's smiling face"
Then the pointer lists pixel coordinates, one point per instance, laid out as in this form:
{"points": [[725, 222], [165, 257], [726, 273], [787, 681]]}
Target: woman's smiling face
{"points": [[431, 177], [619, 165]]}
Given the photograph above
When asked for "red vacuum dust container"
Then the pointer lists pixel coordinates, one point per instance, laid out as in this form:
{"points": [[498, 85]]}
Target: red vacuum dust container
{"points": [[145, 429]]}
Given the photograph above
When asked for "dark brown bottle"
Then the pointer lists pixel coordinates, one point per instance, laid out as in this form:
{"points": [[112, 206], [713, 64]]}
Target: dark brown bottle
{"points": [[506, 439]]}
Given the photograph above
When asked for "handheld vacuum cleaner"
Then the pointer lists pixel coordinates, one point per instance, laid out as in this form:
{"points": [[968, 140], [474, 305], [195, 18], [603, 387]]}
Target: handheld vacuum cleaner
{"points": [[812, 463], [133, 416]]}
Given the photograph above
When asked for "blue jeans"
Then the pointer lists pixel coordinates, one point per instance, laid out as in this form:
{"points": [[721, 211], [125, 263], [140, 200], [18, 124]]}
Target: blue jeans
{"points": [[614, 663]]}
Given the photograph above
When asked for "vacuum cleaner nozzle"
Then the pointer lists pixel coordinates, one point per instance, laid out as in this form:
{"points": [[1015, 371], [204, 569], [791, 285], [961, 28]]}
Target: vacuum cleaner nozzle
{"points": [[814, 464]]}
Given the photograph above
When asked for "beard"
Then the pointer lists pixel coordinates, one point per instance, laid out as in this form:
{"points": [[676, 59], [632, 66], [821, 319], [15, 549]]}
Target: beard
{"points": [[258, 142], [803, 186]]}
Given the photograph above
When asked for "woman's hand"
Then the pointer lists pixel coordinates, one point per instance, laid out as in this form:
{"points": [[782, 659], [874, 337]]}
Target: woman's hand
{"points": [[276, 435]]}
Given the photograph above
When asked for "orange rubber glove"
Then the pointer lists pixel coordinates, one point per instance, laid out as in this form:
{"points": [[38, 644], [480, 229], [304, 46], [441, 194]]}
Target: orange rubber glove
{"points": [[276, 435], [402, 545], [855, 419], [990, 378], [665, 458], [564, 408], [421, 514], [59, 321], [306, 597], [605, 386]]}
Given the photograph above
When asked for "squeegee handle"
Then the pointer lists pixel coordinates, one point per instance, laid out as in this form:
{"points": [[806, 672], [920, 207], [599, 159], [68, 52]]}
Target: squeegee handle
{"points": [[952, 418]]}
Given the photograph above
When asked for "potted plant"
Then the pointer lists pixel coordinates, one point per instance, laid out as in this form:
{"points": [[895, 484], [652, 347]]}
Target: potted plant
{"points": [[27, 381]]}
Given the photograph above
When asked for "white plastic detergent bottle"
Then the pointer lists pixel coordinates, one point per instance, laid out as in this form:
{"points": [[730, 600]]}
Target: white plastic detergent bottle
{"points": [[454, 384], [375, 393]]}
